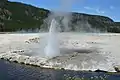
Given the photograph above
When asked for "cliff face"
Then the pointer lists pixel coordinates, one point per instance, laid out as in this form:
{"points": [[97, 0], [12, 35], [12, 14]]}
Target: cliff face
{"points": [[99, 22], [15, 16], [94, 21]]}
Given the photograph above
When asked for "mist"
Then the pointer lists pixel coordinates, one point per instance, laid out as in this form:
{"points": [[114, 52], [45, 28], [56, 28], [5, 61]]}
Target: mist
{"points": [[64, 18]]}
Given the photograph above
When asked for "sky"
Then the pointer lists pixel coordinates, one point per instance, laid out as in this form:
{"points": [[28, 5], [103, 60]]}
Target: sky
{"points": [[110, 8]]}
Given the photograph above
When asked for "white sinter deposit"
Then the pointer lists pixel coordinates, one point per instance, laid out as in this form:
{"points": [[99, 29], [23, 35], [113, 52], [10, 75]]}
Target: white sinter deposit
{"points": [[79, 51]]}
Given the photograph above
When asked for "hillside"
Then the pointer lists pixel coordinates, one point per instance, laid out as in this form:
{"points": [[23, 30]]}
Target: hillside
{"points": [[16, 16]]}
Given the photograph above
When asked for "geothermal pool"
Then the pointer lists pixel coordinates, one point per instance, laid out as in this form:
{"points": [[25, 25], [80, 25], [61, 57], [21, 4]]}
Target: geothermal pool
{"points": [[78, 51]]}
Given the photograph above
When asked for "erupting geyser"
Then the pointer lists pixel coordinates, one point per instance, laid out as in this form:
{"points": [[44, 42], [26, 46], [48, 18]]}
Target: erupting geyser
{"points": [[52, 48]]}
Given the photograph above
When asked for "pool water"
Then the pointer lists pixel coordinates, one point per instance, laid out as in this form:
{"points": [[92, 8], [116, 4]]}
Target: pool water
{"points": [[15, 71]]}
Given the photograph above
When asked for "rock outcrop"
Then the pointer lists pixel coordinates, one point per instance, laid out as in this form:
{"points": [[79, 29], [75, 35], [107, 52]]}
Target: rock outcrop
{"points": [[117, 68]]}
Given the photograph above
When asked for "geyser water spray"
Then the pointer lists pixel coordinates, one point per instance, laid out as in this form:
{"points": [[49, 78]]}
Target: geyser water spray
{"points": [[52, 48]]}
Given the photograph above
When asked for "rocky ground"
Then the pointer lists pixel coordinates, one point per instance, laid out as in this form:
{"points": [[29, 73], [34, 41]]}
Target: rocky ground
{"points": [[79, 51]]}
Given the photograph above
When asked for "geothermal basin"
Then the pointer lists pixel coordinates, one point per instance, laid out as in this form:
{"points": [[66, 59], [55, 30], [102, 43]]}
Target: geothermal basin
{"points": [[78, 51]]}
